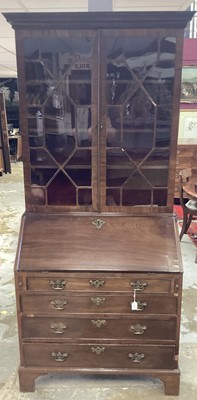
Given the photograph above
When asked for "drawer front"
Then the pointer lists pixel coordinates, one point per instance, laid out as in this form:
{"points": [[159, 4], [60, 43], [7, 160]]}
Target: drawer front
{"points": [[99, 328], [100, 283], [99, 356], [104, 303]]}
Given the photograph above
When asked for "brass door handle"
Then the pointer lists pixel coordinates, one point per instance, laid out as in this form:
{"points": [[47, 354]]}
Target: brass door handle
{"points": [[136, 358], [59, 304], [58, 327], [137, 329], [98, 350], [98, 301], [98, 322], [96, 283], [138, 285], [59, 357], [58, 284]]}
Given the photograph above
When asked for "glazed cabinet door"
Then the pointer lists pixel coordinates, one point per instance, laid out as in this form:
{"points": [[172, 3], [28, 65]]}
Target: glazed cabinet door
{"points": [[137, 98], [98, 108], [59, 96]]}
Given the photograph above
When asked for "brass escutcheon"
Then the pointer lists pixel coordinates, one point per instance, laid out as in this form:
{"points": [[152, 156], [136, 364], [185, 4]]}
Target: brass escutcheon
{"points": [[96, 283], [137, 329], [98, 350], [97, 300], [99, 322], [58, 284], [136, 358], [58, 327], [98, 223], [59, 357], [59, 304], [140, 286]]}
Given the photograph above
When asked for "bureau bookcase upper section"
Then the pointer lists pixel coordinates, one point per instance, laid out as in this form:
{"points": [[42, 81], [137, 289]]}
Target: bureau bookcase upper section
{"points": [[99, 102]]}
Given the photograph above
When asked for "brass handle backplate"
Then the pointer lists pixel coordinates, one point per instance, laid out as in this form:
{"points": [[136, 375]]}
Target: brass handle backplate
{"points": [[96, 283], [136, 358], [59, 304], [137, 329], [141, 306], [98, 301], [140, 286], [59, 357], [99, 322], [58, 327], [98, 350], [58, 284]]}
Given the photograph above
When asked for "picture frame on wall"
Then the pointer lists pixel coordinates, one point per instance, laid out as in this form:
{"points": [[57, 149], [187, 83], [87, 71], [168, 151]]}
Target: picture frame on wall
{"points": [[188, 124], [189, 85]]}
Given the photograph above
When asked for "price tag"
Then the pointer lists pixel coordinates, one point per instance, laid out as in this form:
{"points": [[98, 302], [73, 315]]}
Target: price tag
{"points": [[134, 305]]}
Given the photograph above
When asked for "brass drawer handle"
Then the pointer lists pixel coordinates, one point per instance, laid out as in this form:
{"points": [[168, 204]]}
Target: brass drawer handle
{"points": [[141, 306], [98, 350], [98, 322], [58, 284], [59, 357], [97, 284], [58, 327], [136, 358], [98, 301], [59, 304], [140, 286], [137, 329]]}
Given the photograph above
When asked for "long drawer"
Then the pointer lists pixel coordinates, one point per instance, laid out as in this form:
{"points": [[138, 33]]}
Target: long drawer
{"points": [[109, 328], [105, 303], [101, 282], [99, 355]]}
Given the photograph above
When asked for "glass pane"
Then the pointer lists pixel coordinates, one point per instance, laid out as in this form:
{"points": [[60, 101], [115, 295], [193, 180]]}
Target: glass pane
{"points": [[41, 157], [59, 97], [41, 176], [113, 197], [160, 197], [139, 93], [81, 177], [85, 197], [38, 196], [137, 191], [61, 191]]}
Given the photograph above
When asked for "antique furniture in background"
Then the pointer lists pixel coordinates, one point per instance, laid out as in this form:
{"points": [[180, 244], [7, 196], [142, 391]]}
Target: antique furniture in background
{"points": [[98, 269], [4, 144], [187, 188]]}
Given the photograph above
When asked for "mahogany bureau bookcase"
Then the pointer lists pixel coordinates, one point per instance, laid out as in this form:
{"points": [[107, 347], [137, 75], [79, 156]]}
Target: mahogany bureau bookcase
{"points": [[98, 268]]}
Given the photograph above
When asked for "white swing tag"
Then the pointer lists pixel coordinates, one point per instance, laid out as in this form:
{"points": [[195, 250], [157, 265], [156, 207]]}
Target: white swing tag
{"points": [[134, 305]]}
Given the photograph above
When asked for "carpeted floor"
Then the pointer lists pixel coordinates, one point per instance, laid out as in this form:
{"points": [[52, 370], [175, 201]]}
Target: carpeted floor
{"points": [[192, 232]]}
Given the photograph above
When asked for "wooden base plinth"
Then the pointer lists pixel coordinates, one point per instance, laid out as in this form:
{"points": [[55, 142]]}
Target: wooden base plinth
{"points": [[170, 378]]}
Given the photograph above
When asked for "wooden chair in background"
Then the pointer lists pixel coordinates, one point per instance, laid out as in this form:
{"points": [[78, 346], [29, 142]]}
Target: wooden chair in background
{"points": [[190, 207]]}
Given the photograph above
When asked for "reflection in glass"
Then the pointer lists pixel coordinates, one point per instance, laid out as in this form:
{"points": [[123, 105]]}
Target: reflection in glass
{"points": [[84, 197], [139, 93], [80, 176], [59, 96], [38, 196], [41, 176], [61, 191], [113, 197]]}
